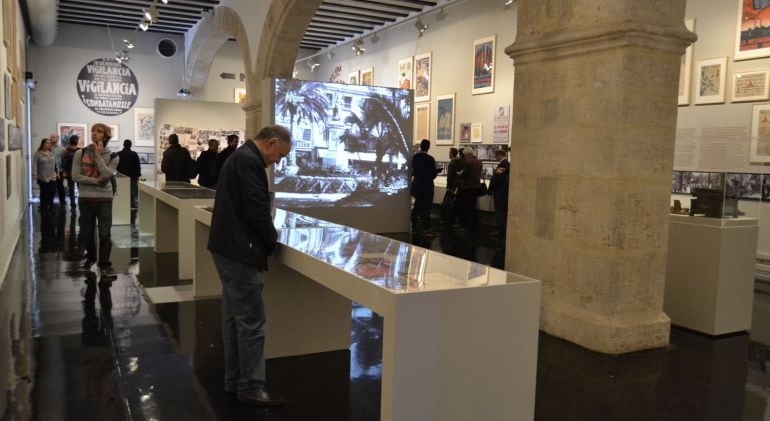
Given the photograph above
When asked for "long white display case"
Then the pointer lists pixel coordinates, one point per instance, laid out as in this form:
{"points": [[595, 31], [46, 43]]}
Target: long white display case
{"points": [[165, 210], [121, 203], [459, 338], [710, 273]]}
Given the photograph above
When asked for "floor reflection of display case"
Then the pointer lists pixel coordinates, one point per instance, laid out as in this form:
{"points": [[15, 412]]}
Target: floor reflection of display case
{"points": [[710, 273], [459, 338]]}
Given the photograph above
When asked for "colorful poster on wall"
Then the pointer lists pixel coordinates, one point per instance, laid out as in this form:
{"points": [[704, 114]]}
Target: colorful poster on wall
{"points": [[144, 127], [422, 74], [752, 38], [66, 130], [107, 87], [445, 119], [501, 132], [367, 77], [404, 77], [421, 122], [465, 133], [239, 95], [484, 65]]}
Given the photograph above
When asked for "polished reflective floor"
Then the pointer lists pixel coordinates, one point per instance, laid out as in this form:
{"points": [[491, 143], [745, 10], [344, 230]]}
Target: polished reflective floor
{"points": [[74, 346]]}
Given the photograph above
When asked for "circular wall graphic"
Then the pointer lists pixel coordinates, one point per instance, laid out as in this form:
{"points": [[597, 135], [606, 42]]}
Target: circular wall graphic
{"points": [[107, 87]]}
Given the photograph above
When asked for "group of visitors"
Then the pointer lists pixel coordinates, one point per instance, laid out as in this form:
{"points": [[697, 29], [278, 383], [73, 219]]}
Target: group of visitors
{"points": [[464, 186], [178, 164]]}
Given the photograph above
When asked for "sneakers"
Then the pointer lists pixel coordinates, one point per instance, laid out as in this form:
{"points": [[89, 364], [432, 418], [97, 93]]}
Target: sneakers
{"points": [[108, 271], [262, 397]]}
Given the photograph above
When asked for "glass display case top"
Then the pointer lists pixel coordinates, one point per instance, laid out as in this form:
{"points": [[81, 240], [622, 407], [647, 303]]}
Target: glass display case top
{"points": [[390, 264], [200, 193], [160, 185]]}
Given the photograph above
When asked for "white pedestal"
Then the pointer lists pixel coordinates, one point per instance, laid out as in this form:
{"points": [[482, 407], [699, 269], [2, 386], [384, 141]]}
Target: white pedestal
{"points": [[710, 273], [121, 203]]}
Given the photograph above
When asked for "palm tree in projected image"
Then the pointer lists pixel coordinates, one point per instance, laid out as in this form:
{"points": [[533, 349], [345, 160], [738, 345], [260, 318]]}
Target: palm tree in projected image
{"points": [[300, 101]]}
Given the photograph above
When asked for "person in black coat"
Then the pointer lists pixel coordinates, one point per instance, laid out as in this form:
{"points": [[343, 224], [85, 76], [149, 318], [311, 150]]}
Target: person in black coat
{"points": [[242, 236], [177, 163], [498, 188], [129, 166], [206, 164], [423, 173], [232, 145]]}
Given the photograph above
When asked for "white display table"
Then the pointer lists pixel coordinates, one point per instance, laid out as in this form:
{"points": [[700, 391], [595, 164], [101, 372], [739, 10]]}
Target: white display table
{"points": [[710, 273], [439, 189], [121, 203], [166, 208], [459, 338]]}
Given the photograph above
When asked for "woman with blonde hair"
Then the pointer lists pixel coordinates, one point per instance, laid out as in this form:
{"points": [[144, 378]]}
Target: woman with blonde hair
{"points": [[93, 169]]}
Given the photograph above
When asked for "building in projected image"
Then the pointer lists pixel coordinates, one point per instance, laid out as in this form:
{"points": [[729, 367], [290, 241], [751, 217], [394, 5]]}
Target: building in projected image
{"points": [[351, 144]]}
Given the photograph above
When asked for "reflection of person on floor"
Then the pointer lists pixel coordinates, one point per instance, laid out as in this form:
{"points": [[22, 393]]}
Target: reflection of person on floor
{"points": [[242, 237], [98, 366], [423, 174], [498, 188]]}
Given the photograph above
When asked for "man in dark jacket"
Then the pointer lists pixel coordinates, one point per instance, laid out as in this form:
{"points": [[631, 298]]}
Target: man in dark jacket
{"points": [[242, 237], [470, 189], [129, 166], [232, 145], [206, 164], [177, 163], [498, 188], [423, 173]]}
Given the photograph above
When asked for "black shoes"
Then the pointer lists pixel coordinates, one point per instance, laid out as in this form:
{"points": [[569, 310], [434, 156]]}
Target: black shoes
{"points": [[108, 272], [262, 397]]}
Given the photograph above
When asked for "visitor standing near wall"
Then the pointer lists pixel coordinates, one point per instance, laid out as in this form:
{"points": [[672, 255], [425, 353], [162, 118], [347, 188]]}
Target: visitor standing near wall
{"points": [[242, 237], [57, 148], [130, 167], [44, 171], [232, 145], [470, 189], [498, 188], [423, 174], [66, 167], [177, 163], [206, 164], [93, 170]]}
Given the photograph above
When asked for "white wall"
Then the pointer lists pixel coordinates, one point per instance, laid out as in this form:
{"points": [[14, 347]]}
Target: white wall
{"points": [[227, 60], [451, 42]]}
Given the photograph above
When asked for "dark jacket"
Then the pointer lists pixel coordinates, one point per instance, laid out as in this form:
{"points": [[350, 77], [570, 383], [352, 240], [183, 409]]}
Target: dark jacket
{"points": [[206, 164], [423, 173], [470, 178], [454, 167], [129, 163], [177, 164], [241, 226], [222, 157], [498, 186]]}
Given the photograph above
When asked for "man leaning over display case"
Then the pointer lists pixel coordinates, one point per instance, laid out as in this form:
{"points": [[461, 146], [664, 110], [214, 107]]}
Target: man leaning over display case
{"points": [[242, 237]]}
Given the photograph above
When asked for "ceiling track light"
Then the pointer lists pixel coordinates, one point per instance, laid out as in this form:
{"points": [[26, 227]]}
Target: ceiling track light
{"points": [[375, 38], [312, 65], [184, 93], [165, 1], [358, 47], [143, 25], [442, 14], [508, 3], [421, 26], [130, 42]]}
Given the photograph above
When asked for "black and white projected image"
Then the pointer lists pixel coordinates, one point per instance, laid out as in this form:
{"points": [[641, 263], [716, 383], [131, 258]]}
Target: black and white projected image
{"points": [[351, 144]]}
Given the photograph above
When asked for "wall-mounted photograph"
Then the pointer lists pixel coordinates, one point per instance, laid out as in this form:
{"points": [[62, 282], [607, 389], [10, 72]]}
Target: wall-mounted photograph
{"points": [[752, 32], [711, 81], [353, 78], [445, 119], [144, 127], [421, 121], [465, 132], [66, 130], [760, 134], [422, 75], [367, 77], [484, 65], [404, 73]]}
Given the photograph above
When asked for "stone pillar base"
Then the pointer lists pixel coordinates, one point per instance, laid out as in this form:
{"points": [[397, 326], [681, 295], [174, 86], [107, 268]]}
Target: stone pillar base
{"points": [[611, 334]]}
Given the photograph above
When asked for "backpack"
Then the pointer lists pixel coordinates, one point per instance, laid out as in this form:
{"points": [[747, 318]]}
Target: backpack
{"points": [[66, 160]]}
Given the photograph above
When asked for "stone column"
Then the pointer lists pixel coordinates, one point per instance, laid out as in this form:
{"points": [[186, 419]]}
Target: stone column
{"points": [[594, 121]]}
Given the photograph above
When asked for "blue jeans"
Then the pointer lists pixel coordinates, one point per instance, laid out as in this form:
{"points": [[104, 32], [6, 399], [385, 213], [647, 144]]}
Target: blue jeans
{"points": [[90, 212], [243, 325]]}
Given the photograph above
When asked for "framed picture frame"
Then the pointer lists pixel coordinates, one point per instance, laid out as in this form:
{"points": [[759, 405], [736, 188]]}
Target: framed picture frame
{"points": [[7, 96], [2, 135], [760, 134], [685, 68], [445, 119], [353, 78], [239, 95], [6, 24], [501, 120], [422, 76], [66, 130], [421, 121], [484, 65], [711, 81], [116, 143], [144, 127], [367, 77], [750, 31], [14, 137], [465, 133], [751, 86], [405, 73], [477, 131]]}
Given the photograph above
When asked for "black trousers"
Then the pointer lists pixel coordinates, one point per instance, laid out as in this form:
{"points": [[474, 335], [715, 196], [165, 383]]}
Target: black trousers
{"points": [[60, 189], [423, 201], [47, 192]]}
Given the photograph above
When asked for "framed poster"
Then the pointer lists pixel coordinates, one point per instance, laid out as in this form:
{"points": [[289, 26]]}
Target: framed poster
{"points": [[465, 132], [751, 86], [239, 95], [751, 30], [711, 81], [66, 130], [367, 77], [476, 132], [445, 119], [484, 65], [353, 78], [6, 25], [405, 74], [685, 68], [760, 134], [421, 121], [144, 127], [7, 95], [14, 137], [502, 124], [2, 135], [116, 143], [422, 72]]}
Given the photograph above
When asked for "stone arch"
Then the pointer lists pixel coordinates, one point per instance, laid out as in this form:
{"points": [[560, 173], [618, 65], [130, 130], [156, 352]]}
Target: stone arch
{"points": [[285, 25], [212, 33]]}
